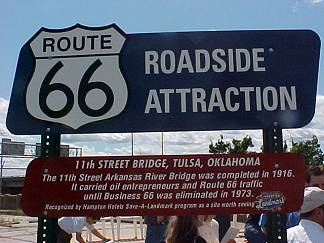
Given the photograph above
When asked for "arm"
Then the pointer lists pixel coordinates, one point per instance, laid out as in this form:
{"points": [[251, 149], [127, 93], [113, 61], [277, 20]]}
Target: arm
{"points": [[96, 233], [79, 238]]}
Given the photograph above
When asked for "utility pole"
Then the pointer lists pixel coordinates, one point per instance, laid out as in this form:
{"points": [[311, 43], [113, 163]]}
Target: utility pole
{"points": [[1, 170]]}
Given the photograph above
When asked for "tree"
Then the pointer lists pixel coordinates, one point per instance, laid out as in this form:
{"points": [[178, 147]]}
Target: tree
{"points": [[311, 150], [235, 146]]}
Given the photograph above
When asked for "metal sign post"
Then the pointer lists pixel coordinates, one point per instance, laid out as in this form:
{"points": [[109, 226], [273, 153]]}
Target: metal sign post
{"points": [[47, 227], [276, 223]]}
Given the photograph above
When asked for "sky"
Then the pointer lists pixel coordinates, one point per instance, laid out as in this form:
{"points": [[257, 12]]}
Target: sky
{"points": [[20, 20]]}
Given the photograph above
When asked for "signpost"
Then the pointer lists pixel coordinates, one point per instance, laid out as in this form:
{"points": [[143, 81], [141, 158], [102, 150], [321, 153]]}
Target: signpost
{"points": [[276, 224], [47, 226], [99, 80], [93, 80]]}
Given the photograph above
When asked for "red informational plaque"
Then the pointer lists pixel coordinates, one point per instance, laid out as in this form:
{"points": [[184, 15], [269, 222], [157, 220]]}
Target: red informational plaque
{"points": [[164, 185]]}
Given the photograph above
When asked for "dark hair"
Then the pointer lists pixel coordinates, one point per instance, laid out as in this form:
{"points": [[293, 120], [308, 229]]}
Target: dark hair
{"points": [[317, 171], [182, 229], [307, 215]]}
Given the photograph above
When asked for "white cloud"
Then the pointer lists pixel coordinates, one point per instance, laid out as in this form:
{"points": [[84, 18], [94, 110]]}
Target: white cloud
{"points": [[315, 1], [4, 132], [150, 143], [300, 3], [96, 137], [315, 127], [3, 111]]}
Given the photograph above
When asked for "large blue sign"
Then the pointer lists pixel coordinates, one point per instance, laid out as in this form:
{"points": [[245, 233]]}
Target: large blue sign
{"points": [[91, 80]]}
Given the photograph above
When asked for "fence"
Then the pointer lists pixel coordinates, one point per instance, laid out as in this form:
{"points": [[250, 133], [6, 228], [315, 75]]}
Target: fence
{"points": [[22, 153]]}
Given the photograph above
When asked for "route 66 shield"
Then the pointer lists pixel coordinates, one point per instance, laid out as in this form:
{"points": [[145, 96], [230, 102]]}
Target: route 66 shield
{"points": [[77, 79]]}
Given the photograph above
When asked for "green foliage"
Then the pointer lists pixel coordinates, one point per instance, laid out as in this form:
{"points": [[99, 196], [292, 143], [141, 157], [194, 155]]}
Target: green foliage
{"points": [[311, 150], [235, 146]]}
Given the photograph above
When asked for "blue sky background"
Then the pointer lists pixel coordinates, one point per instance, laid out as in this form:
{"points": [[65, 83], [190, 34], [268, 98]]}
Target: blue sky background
{"points": [[19, 20]]}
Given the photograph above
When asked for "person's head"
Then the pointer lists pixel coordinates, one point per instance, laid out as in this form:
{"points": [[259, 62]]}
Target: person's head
{"points": [[307, 178], [201, 219], [313, 205], [317, 177], [182, 228], [204, 218]]}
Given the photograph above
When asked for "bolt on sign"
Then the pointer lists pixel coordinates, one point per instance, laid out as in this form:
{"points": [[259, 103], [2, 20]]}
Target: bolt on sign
{"points": [[100, 79], [168, 185]]}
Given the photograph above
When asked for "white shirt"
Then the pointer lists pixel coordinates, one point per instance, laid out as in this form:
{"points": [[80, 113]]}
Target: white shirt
{"points": [[209, 231], [73, 224], [306, 232]]}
